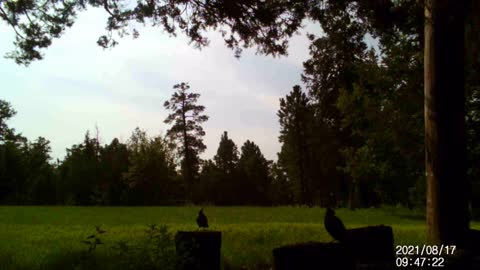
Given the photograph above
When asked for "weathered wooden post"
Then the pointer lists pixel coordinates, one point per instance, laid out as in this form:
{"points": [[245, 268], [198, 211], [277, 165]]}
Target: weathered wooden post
{"points": [[372, 247], [198, 250], [368, 248]]}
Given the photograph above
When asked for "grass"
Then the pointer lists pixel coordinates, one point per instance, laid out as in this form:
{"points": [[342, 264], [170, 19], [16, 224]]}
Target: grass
{"points": [[40, 237]]}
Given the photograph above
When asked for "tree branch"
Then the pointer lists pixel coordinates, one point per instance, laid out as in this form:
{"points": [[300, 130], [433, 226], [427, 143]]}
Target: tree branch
{"points": [[105, 6], [5, 16]]}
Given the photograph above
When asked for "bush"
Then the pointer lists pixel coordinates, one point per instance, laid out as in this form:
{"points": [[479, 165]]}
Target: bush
{"points": [[156, 251]]}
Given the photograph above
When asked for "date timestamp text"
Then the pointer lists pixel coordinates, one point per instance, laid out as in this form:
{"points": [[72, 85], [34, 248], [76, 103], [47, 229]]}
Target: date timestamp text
{"points": [[422, 255]]}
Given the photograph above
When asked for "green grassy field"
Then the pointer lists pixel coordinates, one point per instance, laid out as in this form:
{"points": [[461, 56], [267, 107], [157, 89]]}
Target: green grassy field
{"points": [[34, 237]]}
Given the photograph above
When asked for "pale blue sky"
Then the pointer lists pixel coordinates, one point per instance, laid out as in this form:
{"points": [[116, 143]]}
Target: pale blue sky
{"points": [[79, 85]]}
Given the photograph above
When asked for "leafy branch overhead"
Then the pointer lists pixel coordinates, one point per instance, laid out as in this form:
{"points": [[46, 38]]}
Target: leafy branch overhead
{"points": [[267, 24], [242, 23]]}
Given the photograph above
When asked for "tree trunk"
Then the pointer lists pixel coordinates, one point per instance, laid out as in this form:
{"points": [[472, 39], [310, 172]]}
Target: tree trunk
{"points": [[187, 162], [354, 195], [445, 139]]}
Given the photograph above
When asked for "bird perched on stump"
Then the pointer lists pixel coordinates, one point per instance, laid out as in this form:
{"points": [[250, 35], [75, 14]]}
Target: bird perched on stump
{"points": [[334, 226], [202, 220]]}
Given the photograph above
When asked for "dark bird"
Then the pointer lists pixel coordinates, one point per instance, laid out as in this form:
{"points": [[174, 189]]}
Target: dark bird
{"points": [[334, 225], [202, 220]]}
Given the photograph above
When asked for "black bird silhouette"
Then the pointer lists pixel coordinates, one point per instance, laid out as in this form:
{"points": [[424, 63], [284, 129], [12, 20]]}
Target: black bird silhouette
{"points": [[334, 225], [202, 220]]}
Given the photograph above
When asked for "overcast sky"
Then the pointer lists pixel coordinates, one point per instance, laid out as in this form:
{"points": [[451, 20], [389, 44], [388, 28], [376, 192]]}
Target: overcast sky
{"points": [[78, 85]]}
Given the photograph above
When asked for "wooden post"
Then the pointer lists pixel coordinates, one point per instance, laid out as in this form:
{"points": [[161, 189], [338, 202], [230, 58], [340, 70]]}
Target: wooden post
{"points": [[198, 250], [371, 245], [368, 247], [445, 139]]}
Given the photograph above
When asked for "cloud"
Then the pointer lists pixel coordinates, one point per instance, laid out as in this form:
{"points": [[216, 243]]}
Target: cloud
{"points": [[78, 85]]}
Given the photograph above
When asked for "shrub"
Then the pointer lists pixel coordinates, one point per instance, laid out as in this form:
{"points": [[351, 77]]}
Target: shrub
{"points": [[157, 251]]}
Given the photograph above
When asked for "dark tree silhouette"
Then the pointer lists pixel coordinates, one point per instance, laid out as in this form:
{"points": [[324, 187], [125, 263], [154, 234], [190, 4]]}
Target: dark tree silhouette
{"points": [[210, 189], [114, 163], [255, 177], [227, 155], [151, 174], [186, 130], [281, 188], [295, 115], [6, 112], [228, 181], [80, 172], [331, 70], [40, 185], [472, 76], [445, 138]]}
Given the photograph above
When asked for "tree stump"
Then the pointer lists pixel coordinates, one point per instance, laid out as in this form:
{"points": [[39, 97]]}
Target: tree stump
{"points": [[372, 244], [198, 250], [313, 255], [364, 248]]}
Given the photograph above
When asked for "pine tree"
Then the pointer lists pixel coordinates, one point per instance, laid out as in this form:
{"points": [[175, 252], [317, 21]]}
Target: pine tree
{"points": [[186, 118], [294, 116], [256, 179], [227, 155], [226, 162]]}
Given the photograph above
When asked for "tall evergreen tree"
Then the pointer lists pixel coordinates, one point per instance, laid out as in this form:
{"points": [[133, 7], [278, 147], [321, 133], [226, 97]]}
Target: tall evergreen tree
{"points": [[80, 172], [114, 164], [24, 166], [256, 180], [331, 69], [41, 181], [226, 162], [186, 118], [227, 155], [13, 173], [295, 115]]}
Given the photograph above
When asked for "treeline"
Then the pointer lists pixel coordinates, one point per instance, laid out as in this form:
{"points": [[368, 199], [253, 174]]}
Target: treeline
{"points": [[145, 170], [355, 135]]}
